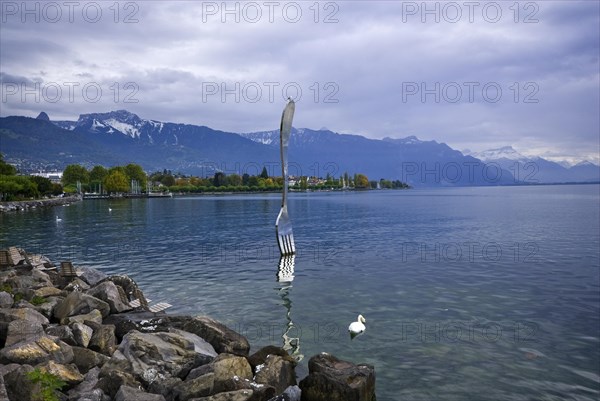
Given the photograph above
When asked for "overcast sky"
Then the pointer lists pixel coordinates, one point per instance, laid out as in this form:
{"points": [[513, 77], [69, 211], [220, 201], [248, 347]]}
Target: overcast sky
{"points": [[475, 75]]}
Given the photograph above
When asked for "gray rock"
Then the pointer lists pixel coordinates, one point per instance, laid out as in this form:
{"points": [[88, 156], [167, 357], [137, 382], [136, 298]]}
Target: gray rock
{"points": [[292, 393], [45, 292], [86, 359], [77, 285], [93, 395], [18, 386], [82, 334], [228, 369], [164, 386], [260, 356], [47, 307], [199, 387], [239, 395], [205, 352], [23, 330], [221, 337], [77, 303], [37, 351], [331, 379], [149, 356], [276, 372], [6, 299], [87, 386], [142, 321], [91, 276], [67, 373], [94, 316], [62, 332], [103, 339], [3, 393], [111, 381], [199, 371], [108, 292], [8, 315], [126, 393]]}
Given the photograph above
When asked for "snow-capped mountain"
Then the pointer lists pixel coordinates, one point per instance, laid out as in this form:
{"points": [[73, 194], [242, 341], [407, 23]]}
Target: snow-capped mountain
{"points": [[505, 152], [538, 169], [120, 137]]}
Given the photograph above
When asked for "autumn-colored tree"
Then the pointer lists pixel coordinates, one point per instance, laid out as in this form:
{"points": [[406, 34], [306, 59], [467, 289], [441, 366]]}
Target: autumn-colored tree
{"points": [[361, 181]]}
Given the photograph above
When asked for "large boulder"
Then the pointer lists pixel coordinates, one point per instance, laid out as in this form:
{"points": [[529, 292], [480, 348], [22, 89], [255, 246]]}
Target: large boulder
{"points": [[8, 315], [199, 387], [91, 276], [82, 334], [331, 379], [87, 388], [221, 337], [276, 372], [148, 356], [23, 330], [228, 369], [111, 381], [64, 333], [18, 385], [205, 352], [48, 306], [6, 299], [103, 339], [77, 303], [45, 292], [127, 393], [108, 292], [37, 350], [94, 316], [86, 359], [260, 356], [239, 395], [67, 373], [292, 393]]}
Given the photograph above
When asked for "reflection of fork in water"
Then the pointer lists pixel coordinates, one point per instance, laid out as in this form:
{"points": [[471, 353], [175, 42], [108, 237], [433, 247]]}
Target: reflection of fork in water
{"points": [[285, 276]]}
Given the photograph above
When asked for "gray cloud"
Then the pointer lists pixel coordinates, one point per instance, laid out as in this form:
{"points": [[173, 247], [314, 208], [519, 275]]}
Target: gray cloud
{"points": [[353, 73]]}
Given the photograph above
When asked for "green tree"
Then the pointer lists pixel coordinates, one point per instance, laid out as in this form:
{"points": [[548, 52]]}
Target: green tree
{"points": [[44, 185], [5, 168], [168, 180], [219, 179], [246, 179], [74, 173], [116, 181], [136, 172], [234, 180], [264, 174], [98, 174], [361, 181]]}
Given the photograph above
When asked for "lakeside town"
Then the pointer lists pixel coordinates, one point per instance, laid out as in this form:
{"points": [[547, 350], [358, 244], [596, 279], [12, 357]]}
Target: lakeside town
{"points": [[132, 181]]}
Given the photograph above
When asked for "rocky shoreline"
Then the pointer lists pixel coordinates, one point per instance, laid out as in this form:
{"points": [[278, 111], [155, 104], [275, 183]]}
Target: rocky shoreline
{"points": [[38, 203], [79, 338]]}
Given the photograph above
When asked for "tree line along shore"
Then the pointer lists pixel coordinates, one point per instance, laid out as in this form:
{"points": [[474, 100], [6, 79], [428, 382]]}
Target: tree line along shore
{"points": [[132, 179]]}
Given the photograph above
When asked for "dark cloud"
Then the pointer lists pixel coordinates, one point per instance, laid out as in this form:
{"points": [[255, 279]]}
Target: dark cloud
{"points": [[178, 61]]}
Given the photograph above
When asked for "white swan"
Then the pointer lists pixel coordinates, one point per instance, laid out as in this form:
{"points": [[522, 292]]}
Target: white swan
{"points": [[109, 209], [58, 219], [358, 327]]}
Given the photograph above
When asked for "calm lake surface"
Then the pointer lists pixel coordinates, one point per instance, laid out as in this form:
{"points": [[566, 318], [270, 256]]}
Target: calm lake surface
{"points": [[468, 293]]}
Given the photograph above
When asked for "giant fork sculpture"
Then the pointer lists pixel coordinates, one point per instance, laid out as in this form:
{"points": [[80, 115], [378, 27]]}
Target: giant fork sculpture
{"points": [[283, 225]]}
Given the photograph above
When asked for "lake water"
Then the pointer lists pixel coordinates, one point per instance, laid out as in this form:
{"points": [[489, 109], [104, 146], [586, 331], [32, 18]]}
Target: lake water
{"points": [[469, 293]]}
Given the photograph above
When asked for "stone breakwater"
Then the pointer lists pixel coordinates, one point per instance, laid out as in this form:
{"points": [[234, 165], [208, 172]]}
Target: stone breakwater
{"points": [[33, 204], [84, 331]]}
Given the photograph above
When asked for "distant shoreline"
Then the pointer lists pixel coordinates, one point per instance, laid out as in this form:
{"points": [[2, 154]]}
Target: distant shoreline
{"points": [[14, 206]]}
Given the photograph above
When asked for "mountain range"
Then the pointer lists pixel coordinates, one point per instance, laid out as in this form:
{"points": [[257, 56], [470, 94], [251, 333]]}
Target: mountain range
{"points": [[121, 137]]}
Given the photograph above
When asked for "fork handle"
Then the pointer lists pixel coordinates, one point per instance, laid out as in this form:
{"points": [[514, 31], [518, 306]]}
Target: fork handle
{"points": [[285, 130]]}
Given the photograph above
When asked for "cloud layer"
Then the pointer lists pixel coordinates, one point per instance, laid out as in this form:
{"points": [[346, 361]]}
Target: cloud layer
{"points": [[475, 75]]}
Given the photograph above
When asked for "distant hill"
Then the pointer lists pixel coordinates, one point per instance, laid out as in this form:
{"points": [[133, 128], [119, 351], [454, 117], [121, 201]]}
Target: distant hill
{"points": [[538, 170], [120, 137]]}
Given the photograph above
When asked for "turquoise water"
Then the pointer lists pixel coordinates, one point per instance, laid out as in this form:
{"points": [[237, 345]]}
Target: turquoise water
{"points": [[469, 293]]}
